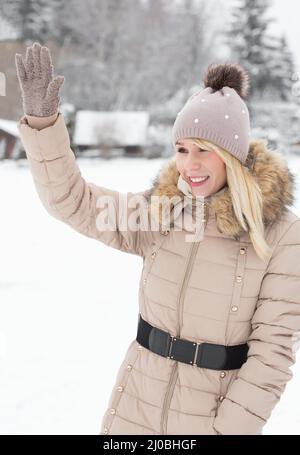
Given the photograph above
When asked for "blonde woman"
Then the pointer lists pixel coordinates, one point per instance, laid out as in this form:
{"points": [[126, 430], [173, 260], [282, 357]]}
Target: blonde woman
{"points": [[219, 297]]}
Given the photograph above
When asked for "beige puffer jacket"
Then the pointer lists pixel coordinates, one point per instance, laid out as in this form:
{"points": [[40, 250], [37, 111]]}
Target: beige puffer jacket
{"points": [[216, 290]]}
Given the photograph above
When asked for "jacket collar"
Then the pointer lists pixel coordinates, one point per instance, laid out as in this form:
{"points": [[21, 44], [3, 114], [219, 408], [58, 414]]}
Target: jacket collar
{"points": [[271, 172]]}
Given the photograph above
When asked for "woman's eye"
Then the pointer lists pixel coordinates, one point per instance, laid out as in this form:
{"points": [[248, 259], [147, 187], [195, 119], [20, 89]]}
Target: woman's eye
{"points": [[183, 150]]}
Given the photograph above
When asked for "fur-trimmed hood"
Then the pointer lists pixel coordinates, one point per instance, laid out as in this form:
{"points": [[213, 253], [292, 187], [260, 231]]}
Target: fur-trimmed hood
{"points": [[271, 172]]}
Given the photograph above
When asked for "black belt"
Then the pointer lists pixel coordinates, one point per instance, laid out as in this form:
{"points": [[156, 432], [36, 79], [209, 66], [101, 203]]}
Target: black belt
{"points": [[204, 355]]}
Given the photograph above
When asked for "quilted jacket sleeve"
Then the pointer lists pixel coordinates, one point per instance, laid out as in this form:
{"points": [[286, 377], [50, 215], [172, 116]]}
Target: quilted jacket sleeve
{"points": [[273, 343], [92, 210]]}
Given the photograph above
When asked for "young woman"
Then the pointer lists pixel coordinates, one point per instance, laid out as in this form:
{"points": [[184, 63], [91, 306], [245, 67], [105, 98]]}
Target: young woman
{"points": [[219, 301]]}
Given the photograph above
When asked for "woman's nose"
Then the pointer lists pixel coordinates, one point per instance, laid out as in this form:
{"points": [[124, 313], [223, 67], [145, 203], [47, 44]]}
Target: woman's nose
{"points": [[193, 163]]}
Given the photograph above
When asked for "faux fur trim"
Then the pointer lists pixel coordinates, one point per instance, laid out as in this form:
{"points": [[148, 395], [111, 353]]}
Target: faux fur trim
{"points": [[271, 172]]}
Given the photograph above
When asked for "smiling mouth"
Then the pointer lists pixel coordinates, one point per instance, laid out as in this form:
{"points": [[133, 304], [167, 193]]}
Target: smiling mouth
{"points": [[197, 181]]}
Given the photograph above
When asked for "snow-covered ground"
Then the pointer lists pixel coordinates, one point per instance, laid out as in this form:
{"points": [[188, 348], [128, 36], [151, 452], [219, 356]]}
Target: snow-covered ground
{"points": [[64, 323]]}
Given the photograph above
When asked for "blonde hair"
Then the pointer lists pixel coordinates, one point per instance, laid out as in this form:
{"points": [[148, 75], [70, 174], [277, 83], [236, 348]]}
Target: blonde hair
{"points": [[246, 197]]}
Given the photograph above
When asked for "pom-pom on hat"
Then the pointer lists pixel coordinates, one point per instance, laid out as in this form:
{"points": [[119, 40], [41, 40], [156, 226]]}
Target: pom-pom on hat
{"points": [[218, 112]]}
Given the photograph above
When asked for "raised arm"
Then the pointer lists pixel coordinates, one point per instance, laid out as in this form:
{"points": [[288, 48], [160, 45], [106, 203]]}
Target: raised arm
{"points": [[92, 210]]}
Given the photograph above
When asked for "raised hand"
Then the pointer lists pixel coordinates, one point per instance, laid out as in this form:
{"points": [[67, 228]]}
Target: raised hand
{"points": [[40, 89]]}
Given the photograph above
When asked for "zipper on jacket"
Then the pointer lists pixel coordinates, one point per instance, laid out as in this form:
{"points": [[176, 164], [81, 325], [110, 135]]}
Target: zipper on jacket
{"points": [[174, 374], [168, 397]]}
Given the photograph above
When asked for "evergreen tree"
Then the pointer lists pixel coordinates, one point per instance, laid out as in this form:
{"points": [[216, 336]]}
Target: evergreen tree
{"points": [[282, 67], [265, 57]]}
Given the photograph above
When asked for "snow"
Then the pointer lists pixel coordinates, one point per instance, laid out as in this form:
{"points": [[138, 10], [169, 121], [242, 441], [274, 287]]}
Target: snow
{"points": [[124, 127], [9, 126], [65, 326]]}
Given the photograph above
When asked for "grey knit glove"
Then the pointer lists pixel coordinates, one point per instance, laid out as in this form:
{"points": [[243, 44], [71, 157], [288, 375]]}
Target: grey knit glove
{"points": [[40, 90]]}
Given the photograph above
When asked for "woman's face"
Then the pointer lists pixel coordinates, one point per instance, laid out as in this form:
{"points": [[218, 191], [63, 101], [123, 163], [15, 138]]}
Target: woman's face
{"points": [[193, 162]]}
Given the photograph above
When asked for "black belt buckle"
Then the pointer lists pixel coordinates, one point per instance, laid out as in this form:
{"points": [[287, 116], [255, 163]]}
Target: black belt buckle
{"points": [[182, 350], [172, 347]]}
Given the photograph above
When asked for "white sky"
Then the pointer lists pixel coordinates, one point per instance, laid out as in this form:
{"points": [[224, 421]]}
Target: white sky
{"points": [[287, 13]]}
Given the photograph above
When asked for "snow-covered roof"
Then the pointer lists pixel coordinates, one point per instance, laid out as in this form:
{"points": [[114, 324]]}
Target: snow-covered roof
{"points": [[9, 126], [113, 127]]}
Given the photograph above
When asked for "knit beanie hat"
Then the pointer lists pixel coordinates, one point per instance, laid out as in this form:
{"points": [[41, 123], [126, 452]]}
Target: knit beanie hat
{"points": [[218, 112]]}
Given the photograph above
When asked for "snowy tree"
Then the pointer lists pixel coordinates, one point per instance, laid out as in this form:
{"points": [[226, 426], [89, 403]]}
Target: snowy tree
{"points": [[282, 68], [177, 46], [31, 18], [100, 45], [252, 46], [129, 54]]}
